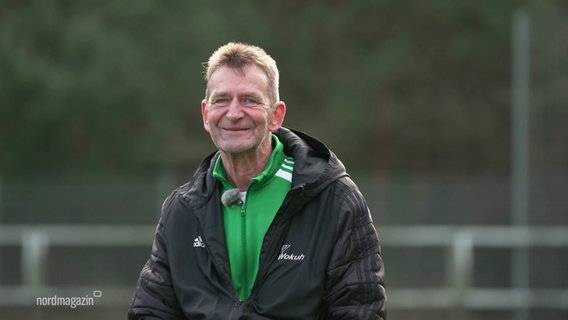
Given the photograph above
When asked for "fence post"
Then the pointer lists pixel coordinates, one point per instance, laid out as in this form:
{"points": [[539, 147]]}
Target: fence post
{"points": [[35, 245], [520, 155], [461, 266]]}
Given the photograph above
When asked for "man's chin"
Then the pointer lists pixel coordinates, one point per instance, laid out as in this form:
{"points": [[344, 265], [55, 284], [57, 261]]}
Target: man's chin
{"points": [[234, 148]]}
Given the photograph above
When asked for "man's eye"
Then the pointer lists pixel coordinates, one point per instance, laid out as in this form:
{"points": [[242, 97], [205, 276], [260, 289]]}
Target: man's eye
{"points": [[251, 102], [221, 101]]}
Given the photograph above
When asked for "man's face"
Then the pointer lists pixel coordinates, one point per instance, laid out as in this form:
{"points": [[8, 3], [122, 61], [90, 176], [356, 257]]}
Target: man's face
{"points": [[237, 113]]}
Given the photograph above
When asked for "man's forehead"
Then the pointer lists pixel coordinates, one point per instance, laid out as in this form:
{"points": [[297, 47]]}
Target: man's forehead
{"points": [[226, 79], [240, 71]]}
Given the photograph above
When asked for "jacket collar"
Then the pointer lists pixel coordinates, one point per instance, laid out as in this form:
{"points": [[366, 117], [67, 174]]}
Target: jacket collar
{"points": [[273, 165], [315, 167]]}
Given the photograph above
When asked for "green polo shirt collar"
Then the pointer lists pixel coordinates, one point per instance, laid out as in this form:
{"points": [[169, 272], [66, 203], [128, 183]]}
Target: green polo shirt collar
{"points": [[273, 165]]}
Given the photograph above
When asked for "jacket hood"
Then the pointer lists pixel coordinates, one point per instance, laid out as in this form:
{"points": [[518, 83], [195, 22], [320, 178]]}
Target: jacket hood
{"points": [[315, 167]]}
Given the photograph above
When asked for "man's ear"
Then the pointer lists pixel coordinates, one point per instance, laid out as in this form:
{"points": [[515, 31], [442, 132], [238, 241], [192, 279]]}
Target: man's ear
{"points": [[204, 112], [278, 114]]}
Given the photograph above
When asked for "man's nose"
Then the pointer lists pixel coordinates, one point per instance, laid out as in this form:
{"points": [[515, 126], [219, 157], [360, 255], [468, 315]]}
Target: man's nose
{"points": [[234, 110]]}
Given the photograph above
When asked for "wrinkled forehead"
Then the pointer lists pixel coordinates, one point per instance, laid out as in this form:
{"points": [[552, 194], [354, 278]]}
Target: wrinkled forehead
{"points": [[248, 77], [241, 70]]}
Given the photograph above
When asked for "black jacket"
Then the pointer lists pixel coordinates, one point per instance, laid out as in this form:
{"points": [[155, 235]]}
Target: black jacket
{"points": [[320, 258]]}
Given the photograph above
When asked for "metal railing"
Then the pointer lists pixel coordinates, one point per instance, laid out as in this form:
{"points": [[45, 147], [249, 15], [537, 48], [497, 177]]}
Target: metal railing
{"points": [[460, 242], [458, 292]]}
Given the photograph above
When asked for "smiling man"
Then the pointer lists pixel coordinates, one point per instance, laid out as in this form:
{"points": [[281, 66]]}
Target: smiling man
{"points": [[240, 116], [270, 226]]}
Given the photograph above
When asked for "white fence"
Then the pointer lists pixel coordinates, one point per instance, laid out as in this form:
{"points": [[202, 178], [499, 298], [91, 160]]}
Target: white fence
{"points": [[458, 292], [460, 243]]}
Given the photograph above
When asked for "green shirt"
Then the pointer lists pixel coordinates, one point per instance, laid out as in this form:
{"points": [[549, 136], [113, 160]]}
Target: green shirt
{"points": [[246, 224]]}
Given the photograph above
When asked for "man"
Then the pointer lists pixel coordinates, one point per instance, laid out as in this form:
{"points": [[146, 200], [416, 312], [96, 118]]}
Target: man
{"points": [[270, 226]]}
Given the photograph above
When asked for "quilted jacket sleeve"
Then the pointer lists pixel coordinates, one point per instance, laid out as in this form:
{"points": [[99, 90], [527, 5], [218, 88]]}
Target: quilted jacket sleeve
{"points": [[154, 297], [355, 276]]}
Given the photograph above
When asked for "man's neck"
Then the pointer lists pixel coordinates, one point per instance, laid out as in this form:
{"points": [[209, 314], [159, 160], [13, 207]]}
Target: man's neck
{"points": [[242, 168]]}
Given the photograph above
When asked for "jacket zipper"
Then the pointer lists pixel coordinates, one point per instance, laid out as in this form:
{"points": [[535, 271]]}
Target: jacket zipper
{"points": [[244, 245], [277, 227]]}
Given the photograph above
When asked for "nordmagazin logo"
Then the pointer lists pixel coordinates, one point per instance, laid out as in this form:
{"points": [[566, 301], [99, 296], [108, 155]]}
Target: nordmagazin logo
{"points": [[289, 256], [71, 302]]}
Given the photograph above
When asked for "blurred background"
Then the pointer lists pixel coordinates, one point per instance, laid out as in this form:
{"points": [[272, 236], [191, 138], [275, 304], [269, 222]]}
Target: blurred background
{"points": [[451, 116]]}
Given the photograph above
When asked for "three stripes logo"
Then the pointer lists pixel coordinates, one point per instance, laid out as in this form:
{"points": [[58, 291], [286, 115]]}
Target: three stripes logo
{"points": [[198, 243]]}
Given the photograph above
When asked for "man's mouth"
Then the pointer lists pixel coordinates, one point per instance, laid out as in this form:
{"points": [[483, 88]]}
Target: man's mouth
{"points": [[235, 129]]}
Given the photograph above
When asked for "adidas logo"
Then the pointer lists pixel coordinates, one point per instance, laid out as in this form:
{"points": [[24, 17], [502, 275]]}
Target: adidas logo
{"points": [[289, 256], [198, 243]]}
